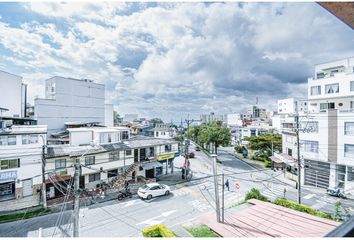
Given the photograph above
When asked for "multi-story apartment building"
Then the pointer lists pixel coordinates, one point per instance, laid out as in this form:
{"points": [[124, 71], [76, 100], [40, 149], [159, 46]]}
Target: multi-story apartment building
{"points": [[70, 100], [21, 166], [13, 94], [213, 117], [292, 106], [326, 132]]}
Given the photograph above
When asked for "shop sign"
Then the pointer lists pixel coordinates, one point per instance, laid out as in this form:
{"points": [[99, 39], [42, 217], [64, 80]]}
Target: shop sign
{"points": [[165, 156], [8, 175]]}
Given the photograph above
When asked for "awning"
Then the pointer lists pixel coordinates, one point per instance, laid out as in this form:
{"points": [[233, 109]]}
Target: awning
{"points": [[283, 158], [151, 165]]}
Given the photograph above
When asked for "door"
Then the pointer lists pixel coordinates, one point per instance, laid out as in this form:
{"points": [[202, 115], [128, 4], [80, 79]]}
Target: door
{"points": [[317, 173], [136, 155], [149, 173], [27, 187]]}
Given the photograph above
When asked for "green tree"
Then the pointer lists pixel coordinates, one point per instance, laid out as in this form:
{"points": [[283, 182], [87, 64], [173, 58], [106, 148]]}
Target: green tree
{"points": [[263, 142], [116, 118], [214, 132]]}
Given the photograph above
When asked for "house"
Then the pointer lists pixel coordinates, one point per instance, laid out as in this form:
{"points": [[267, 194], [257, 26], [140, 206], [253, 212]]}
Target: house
{"points": [[164, 130]]}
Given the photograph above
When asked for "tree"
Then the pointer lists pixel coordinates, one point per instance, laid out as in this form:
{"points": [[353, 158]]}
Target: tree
{"points": [[116, 118], [156, 121], [263, 142], [214, 132]]}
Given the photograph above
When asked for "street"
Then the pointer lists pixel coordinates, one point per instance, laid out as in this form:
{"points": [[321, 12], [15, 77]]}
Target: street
{"points": [[187, 201]]}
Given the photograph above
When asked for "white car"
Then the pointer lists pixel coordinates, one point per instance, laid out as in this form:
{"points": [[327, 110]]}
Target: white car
{"points": [[151, 190]]}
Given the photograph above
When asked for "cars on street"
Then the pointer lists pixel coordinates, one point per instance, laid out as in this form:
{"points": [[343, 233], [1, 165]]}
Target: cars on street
{"points": [[151, 190], [197, 148]]}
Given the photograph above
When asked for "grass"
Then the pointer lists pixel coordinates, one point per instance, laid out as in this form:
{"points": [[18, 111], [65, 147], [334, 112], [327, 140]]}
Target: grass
{"points": [[236, 204], [201, 231], [19, 216]]}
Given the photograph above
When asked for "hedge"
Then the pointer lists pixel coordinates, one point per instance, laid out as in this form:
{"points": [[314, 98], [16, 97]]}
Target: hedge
{"points": [[255, 194], [238, 149], [301, 208], [158, 230]]}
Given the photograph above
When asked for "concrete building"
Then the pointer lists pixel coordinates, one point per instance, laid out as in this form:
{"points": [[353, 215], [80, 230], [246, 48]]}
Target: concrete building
{"points": [[234, 119], [213, 117], [13, 94], [256, 113], [108, 115], [326, 133], [70, 100], [292, 106], [21, 166], [165, 131]]}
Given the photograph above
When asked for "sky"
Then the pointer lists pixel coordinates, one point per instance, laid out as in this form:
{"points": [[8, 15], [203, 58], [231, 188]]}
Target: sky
{"points": [[169, 60]]}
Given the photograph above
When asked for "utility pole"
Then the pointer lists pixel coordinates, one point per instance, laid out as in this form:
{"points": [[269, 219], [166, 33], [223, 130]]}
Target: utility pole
{"points": [[44, 192], [223, 199], [272, 155], [216, 187], [298, 159], [77, 198]]}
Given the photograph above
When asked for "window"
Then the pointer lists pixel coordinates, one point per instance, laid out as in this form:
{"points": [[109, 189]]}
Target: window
{"points": [[310, 126], [60, 163], [290, 152], [324, 106], [112, 173], [94, 177], [349, 128], [167, 148], [309, 146], [316, 90], [348, 150], [350, 172], [8, 164], [332, 88], [128, 152], [29, 139], [89, 160], [320, 75], [113, 156], [7, 140], [125, 135], [352, 86], [109, 138], [157, 134], [151, 152]]}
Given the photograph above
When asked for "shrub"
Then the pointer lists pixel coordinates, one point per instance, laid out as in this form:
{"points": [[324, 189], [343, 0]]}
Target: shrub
{"points": [[201, 231], [238, 149], [255, 194], [158, 230], [267, 163], [301, 208]]}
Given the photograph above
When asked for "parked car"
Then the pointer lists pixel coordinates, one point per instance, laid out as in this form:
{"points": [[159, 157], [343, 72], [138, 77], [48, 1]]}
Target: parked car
{"points": [[197, 148], [151, 190]]}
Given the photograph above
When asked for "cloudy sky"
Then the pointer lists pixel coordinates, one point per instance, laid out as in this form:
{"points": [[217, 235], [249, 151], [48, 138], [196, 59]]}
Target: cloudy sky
{"points": [[168, 60]]}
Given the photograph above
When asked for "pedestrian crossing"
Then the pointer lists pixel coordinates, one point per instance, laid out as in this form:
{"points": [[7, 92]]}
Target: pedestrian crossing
{"points": [[230, 197], [274, 191]]}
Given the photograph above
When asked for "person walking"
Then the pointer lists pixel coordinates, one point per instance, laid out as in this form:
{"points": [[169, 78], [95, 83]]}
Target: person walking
{"points": [[227, 185]]}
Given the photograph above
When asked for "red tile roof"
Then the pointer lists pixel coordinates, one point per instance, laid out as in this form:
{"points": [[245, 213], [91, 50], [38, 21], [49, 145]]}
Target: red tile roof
{"points": [[264, 219]]}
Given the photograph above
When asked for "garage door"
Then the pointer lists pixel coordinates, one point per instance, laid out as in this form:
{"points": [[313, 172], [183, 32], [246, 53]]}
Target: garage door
{"points": [[27, 187], [317, 174]]}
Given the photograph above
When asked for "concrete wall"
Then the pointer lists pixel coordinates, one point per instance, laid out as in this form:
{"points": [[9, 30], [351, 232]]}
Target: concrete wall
{"points": [[11, 94], [108, 116], [72, 101]]}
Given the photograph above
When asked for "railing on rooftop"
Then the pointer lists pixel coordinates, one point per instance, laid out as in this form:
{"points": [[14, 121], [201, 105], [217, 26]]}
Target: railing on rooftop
{"points": [[346, 229]]}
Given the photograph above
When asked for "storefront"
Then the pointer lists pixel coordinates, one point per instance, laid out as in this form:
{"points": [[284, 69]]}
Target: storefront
{"points": [[167, 160], [7, 185], [56, 186], [152, 169]]}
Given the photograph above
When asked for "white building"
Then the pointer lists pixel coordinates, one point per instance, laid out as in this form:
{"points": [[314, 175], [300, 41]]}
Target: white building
{"points": [[165, 131], [12, 95], [70, 100], [213, 117], [234, 119], [108, 115], [327, 132], [21, 166]]}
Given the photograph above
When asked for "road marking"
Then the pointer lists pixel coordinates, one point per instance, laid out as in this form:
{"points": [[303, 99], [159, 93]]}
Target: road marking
{"points": [[130, 203], [155, 220], [201, 207], [309, 196], [166, 214]]}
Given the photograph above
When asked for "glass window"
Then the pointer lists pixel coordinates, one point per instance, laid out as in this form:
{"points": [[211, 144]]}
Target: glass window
{"points": [[29, 139], [324, 106], [316, 90], [112, 173], [309, 146], [349, 128], [348, 150], [167, 148], [350, 173], [332, 88], [7, 140], [94, 177], [310, 126], [128, 152], [113, 156], [60, 163], [352, 86], [8, 164], [125, 135], [89, 160]]}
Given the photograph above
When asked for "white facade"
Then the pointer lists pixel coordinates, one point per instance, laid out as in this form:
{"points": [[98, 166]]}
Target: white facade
{"points": [[12, 95], [97, 135], [70, 100], [292, 106], [21, 166], [108, 115], [234, 119], [213, 117]]}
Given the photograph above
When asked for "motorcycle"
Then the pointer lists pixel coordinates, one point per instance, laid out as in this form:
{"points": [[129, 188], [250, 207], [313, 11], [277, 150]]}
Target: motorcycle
{"points": [[124, 194], [336, 192]]}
